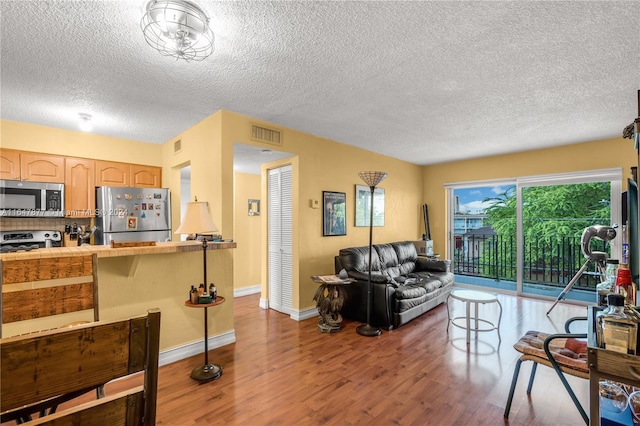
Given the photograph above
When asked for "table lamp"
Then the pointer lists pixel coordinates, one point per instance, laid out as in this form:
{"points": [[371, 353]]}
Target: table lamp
{"points": [[371, 179], [197, 220]]}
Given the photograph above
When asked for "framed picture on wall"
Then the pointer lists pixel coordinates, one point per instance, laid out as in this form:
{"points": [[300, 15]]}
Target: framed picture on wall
{"points": [[334, 213], [363, 206]]}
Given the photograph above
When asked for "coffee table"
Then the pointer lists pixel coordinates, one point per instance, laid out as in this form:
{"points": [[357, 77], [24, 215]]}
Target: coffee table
{"points": [[475, 298]]}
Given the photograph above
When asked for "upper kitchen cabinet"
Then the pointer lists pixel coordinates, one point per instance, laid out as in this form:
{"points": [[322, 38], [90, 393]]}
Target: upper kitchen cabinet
{"points": [[110, 173], [80, 191], [9, 164], [31, 166], [146, 176]]}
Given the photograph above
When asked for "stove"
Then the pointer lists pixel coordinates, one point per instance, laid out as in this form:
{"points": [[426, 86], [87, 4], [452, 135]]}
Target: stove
{"points": [[28, 240]]}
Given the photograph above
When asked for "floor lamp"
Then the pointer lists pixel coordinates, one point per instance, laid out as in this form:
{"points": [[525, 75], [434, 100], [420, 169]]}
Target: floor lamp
{"points": [[198, 221], [371, 179]]}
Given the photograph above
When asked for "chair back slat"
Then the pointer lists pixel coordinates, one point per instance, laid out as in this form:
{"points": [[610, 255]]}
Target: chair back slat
{"points": [[42, 302], [121, 409], [46, 268], [37, 288]]}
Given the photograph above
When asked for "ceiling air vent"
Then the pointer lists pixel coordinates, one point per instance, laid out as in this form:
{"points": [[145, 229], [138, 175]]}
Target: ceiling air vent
{"points": [[177, 146], [265, 135]]}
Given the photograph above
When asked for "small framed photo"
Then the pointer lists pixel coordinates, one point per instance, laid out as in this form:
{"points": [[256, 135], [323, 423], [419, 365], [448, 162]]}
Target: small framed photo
{"points": [[254, 207], [363, 206], [334, 213], [132, 223]]}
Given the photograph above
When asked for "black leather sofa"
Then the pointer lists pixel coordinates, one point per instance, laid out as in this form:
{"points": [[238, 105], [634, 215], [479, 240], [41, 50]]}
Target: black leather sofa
{"points": [[403, 285]]}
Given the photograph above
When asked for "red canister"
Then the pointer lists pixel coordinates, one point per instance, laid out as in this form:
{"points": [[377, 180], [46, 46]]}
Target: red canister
{"points": [[623, 280]]}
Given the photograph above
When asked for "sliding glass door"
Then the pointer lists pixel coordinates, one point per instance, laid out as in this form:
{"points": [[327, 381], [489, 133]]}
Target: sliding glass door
{"points": [[524, 235], [484, 235]]}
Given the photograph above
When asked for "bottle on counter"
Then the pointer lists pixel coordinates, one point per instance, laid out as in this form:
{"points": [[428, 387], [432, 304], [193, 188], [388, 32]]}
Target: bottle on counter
{"points": [[193, 295], [606, 286], [201, 289], [213, 292], [619, 330]]}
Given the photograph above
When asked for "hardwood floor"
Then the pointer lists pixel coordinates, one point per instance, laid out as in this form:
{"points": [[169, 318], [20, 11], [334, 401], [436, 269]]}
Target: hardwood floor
{"points": [[283, 372]]}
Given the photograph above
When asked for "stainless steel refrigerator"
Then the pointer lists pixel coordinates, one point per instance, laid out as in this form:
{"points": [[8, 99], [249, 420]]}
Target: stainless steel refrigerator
{"points": [[132, 214]]}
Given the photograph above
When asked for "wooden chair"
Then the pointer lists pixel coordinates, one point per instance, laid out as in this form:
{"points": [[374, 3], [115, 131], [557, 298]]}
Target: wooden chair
{"points": [[50, 367], [38, 288], [565, 353]]}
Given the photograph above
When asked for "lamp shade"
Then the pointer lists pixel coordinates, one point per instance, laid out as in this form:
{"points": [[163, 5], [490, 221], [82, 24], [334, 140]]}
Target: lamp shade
{"points": [[197, 220], [372, 178]]}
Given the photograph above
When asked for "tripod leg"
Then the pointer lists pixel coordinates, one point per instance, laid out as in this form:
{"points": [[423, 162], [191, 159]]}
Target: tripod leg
{"points": [[575, 278]]}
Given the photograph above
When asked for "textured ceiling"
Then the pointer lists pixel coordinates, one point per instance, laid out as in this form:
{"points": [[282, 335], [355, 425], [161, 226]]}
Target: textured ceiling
{"points": [[426, 82]]}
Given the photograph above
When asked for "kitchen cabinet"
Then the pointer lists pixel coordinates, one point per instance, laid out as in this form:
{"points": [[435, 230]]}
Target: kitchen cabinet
{"points": [[111, 173], [31, 166], [9, 164], [146, 176], [80, 191]]}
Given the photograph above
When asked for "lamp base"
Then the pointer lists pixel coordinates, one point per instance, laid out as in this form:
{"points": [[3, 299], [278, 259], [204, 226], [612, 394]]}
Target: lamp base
{"points": [[367, 330], [206, 373]]}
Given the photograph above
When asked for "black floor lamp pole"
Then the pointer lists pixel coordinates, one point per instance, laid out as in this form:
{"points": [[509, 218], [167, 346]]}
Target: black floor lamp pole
{"points": [[372, 179]]}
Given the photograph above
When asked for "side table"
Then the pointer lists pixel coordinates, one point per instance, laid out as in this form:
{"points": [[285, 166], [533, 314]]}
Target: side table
{"points": [[329, 299], [206, 372], [474, 297]]}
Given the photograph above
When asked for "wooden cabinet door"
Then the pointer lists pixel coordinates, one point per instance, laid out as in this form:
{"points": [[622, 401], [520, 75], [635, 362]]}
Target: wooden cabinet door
{"points": [[111, 173], [41, 167], [80, 191], [146, 176], [9, 164]]}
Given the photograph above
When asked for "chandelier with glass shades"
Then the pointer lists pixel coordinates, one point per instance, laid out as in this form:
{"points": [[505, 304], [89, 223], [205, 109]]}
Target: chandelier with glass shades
{"points": [[177, 28]]}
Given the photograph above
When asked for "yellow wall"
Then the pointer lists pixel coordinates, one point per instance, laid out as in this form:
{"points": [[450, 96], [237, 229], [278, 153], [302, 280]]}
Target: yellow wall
{"points": [[201, 148], [49, 140], [324, 165], [603, 154], [248, 235]]}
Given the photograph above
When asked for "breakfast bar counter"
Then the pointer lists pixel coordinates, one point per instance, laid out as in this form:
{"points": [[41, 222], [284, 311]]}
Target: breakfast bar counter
{"points": [[108, 251], [132, 280]]}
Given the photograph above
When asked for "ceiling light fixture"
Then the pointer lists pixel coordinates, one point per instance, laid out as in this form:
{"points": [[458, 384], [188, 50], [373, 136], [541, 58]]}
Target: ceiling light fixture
{"points": [[177, 28], [85, 122]]}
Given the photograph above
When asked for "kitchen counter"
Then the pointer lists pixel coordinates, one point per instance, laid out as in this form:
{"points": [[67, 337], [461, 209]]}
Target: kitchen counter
{"points": [[107, 251], [132, 280]]}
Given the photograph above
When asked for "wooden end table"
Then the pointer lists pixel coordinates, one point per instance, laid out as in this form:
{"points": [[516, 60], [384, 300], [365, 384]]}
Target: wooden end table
{"points": [[206, 372], [329, 299]]}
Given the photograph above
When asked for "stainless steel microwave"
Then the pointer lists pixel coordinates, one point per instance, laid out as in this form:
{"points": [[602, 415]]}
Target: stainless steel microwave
{"points": [[31, 199]]}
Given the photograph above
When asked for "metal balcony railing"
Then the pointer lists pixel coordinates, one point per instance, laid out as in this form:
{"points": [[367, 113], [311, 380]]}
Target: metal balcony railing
{"points": [[549, 261]]}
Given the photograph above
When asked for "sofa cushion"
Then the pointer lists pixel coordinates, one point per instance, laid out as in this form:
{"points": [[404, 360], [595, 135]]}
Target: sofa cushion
{"points": [[410, 291], [416, 287], [388, 260], [356, 259], [406, 255]]}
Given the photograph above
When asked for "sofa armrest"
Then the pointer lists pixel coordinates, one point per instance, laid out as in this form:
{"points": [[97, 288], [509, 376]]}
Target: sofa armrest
{"points": [[428, 264], [355, 306]]}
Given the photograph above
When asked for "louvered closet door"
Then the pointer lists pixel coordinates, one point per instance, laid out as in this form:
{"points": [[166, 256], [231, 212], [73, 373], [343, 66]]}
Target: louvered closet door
{"points": [[280, 240]]}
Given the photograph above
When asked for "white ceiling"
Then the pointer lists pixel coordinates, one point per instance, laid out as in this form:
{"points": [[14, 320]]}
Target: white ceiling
{"points": [[423, 81]]}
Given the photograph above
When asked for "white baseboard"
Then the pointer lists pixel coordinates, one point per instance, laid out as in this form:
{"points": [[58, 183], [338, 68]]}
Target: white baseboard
{"points": [[295, 315], [195, 348], [245, 291], [304, 314]]}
